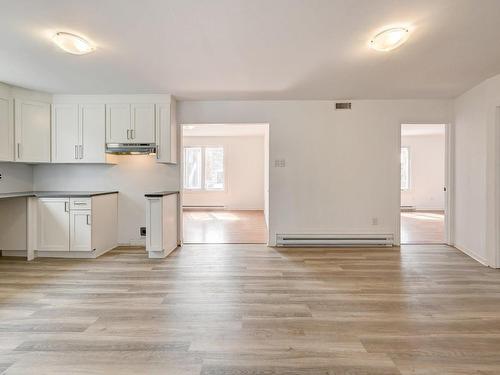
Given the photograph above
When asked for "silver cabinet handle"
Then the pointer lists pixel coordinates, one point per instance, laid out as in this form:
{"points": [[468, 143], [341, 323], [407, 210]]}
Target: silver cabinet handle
{"points": [[132, 133], [128, 133], [76, 152], [81, 151], [157, 151], [89, 222], [18, 150], [66, 207]]}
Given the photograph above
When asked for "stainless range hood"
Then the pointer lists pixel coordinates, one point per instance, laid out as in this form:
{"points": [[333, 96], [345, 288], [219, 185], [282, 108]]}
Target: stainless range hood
{"points": [[131, 148]]}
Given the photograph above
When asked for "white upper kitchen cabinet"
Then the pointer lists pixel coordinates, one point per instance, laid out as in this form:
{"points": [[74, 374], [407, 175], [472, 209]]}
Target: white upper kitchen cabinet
{"points": [[78, 133], [118, 123], [130, 123], [166, 133], [143, 123], [92, 122], [6, 129], [65, 139], [32, 131]]}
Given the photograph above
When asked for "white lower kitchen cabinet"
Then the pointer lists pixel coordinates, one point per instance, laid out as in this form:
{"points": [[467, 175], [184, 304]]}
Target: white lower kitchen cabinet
{"points": [[77, 225], [80, 230], [53, 224], [162, 217]]}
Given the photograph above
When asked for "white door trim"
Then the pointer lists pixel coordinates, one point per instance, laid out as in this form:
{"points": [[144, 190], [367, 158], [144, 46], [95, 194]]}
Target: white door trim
{"points": [[449, 184]]}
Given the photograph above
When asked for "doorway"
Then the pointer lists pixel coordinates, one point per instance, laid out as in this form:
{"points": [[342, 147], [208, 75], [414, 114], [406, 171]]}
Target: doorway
{"points": [[225, 181], [423, 181]]}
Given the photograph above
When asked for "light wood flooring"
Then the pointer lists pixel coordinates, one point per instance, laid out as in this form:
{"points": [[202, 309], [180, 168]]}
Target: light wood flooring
{"points": [[422, 227], [248, 310], [224, 226]]}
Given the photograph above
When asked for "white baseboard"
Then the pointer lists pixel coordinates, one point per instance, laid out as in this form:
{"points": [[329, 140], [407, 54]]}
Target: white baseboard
{"points": [[139, 242], [471, 254], [57, 254], [225, 208], [429, 209]]}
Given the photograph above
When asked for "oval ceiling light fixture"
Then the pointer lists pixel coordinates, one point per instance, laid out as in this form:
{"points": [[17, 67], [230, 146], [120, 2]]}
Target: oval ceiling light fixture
{"points": [[72, 43], [390, 39]]}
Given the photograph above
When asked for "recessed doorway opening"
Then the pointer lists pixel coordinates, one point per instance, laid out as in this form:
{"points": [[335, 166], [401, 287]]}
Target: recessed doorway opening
{"points": [[423, 181], [225, 176]]}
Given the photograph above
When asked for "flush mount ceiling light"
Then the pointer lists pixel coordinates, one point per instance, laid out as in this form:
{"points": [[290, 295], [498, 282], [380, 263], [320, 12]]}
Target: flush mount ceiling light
{"points": [[389, 39], [72, 43]]}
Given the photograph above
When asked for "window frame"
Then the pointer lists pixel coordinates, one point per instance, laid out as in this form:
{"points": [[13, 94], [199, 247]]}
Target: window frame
{"points": [[408, 188], [202, 189]]}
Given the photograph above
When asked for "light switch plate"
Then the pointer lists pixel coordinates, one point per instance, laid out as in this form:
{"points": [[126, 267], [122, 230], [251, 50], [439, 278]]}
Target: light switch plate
{"points": [[279, 163]]}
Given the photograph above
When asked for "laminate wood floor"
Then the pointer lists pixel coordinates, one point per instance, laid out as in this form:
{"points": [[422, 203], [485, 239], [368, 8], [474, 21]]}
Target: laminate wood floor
{"points": [[422, 227], [249, 309], [224, 226]]}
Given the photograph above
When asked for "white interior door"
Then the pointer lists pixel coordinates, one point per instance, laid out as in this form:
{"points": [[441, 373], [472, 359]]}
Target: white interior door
{"points": [[80, 230], [53, 224]]}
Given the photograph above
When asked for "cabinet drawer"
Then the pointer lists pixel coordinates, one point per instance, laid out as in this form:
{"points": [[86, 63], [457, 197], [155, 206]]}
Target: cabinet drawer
{"points": [[80, 203]]}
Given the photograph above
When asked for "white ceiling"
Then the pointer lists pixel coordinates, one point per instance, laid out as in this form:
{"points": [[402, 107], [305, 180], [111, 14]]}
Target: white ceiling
{"points": [[422, 129], [224, 130], [252, 49]]}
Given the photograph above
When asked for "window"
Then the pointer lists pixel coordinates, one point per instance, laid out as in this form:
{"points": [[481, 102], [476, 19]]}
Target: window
{"points": [[204, 168], [192, 167], [405, 168], [214, 168]]}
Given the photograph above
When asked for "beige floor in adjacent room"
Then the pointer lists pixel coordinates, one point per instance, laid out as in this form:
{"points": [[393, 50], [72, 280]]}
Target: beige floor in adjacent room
{"points": [[253, 310], [420, 227], [224, 226]]}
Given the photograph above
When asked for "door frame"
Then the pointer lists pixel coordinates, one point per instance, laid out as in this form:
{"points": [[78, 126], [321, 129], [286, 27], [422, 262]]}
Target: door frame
{"points": [[448, 182], [267, 196]]}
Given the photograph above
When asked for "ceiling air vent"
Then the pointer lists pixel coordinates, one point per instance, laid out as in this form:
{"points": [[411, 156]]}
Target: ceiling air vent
{"points": [[343, 105]]}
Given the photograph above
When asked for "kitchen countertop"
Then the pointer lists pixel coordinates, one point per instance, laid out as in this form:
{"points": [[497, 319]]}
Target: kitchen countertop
{"points": [[160, 194], [56, 194]]}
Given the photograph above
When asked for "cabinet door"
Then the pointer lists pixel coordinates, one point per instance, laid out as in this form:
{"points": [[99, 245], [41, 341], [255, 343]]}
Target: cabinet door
{"points": [[6, 130], [118, 123], [32, 131], [166, 134], [92, 133], [80, 230], [143, 123], [53, 224], [65, 135]]}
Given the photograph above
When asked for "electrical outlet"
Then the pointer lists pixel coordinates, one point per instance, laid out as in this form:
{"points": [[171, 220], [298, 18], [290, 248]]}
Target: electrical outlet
{"points": [[143, 231], [375, 221], [1, 176]]}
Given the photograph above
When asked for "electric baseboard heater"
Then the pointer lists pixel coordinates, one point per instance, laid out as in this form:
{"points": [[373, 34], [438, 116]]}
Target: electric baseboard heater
{"points": [[331, 240]]}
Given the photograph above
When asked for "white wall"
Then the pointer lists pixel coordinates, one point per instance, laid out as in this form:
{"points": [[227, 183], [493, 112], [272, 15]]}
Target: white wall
{"points": [[132, 176], [244, 162], [427, 172], [477, 172], [16, 177], [342, 167]]}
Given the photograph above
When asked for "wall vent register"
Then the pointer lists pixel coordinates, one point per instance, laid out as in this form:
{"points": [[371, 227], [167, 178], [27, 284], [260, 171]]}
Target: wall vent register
{"points": [[343, 105]]}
